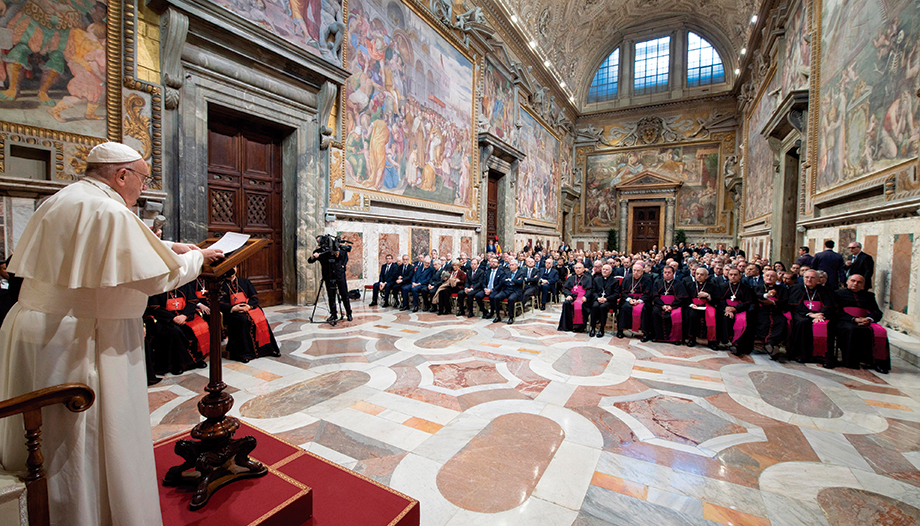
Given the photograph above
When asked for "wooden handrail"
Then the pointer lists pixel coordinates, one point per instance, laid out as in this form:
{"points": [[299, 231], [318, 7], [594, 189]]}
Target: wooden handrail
{"points": [[76, 397]]}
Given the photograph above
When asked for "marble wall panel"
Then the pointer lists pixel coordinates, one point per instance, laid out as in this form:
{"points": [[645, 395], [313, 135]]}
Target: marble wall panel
{"points": [[844, 238], [446, 246], [387, 244], [355, 267], [811, 247], [902, 252], [420, 242], [466, 245], [870, 245]]}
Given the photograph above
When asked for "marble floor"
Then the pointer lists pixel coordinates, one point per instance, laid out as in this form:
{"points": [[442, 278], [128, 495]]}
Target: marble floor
{"points": [[490, 424]]}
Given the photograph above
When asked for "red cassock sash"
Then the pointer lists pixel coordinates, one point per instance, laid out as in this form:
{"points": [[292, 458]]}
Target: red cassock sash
{"points": [[819, 329], [676, 330], [578, 316], [636, 314], [740, 321], [257, 316], [879, 333], [175, 304], [202, 334], [710, 318]]}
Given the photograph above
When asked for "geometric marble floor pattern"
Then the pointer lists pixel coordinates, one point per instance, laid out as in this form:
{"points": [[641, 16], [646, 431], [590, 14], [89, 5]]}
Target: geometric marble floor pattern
{"points": [[491, 424]]}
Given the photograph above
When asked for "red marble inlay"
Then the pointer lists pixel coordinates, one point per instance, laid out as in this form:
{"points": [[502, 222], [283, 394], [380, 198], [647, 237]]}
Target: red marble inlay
{"points": [[794, 394], [679, 420], [303, 395], [856, 507], [583, 361], [500, 467], [466, 374]]}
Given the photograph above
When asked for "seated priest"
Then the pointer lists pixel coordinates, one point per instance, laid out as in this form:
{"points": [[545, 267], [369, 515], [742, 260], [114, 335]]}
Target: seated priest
{"points": [[635, 294], [734, 302], [452, 285], [473, 285], [771, 326], [576, 304], [182, 340], [549, 278], [812, 309], [606, 294], [862, 341], [248, 334], [512, 290], [668, 299], [389, 271], [701, 319]]}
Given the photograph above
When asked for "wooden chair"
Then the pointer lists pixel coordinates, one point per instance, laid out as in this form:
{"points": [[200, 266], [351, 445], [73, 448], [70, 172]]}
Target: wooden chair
{"points": [[76, 397]]}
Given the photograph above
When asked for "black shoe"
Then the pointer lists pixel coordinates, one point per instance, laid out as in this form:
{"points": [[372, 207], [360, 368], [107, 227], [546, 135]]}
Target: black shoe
{"points": [[645, 338], [470, 315], [497, 319], [385, 305], [511, 320], [542, 307], [486, 315], [829, 365], [374, 304], [404, 307], [620, 335], [461, 313], [767, 348], [276, 353], [678, 343], [733, 349], [153, 381], [800, 359], [350, 318], [714, 346], [332, 319], [201, 365], [691, 342], [592, 333], [600, 333], [244, 360], [881, 369], [415, 309]]}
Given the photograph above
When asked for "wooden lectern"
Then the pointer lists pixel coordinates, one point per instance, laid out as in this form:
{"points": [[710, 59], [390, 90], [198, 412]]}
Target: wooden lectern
{"points": [[214, 458]]}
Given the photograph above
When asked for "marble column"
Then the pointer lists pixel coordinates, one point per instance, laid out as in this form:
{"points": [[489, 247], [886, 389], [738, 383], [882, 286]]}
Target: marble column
{"points": [[670, 220], [623, 223]]}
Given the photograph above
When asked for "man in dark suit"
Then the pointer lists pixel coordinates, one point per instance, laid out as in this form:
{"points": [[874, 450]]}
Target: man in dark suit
{"points": [[860, 263], [831, 263], [531, 279], [472, 286], [388, 274], [403, 275], [548, 278], [417, 284], [492, 282], [805, 259], [512, 290]]}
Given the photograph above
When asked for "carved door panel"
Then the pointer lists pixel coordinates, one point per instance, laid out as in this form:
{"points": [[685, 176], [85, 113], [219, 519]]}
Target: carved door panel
{"points": [[492, 210], [646, 223], [244, 195]]}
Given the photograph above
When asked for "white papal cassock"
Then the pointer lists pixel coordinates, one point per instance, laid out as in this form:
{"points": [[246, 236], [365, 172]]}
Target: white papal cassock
{"points": [[89, 265]]}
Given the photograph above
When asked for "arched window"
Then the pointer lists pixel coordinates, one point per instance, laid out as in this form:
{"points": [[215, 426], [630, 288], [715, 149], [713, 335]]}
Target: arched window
{"points": [[704, 65], [604, 85], [653, 59]]}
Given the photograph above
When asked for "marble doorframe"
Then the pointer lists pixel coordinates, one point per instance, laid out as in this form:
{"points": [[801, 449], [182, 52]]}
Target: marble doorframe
{"points": [[666, 199]]}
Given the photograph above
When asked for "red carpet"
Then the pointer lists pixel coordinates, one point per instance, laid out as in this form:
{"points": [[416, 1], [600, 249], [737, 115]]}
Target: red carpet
{"points": [[339, 497]]}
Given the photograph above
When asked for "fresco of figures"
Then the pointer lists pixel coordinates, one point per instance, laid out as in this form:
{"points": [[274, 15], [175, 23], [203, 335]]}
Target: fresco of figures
{"points": [[497, 104], [408, 107], [53, 75], [696, 166], [297, 21], [758, 166], [870, 71], [798, 52], [537, 183]]}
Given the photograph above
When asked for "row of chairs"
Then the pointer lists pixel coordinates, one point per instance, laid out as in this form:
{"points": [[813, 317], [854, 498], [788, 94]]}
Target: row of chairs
{"points": [[518, 306]]}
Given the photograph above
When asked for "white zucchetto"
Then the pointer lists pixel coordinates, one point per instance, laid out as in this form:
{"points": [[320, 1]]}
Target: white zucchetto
{"points": [[112, 152]]}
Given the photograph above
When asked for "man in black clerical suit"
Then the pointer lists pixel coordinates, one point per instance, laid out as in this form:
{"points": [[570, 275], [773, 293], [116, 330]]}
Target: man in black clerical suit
{"points": [[771, 300], [702, 320], [668, 298], [862, 341], [860, 263], [732, 300], [389, 271], [635, 297], [606, 292], [812, 307]]}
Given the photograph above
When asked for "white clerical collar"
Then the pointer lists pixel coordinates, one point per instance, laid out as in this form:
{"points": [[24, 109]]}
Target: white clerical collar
{"points": [[105, 188]]}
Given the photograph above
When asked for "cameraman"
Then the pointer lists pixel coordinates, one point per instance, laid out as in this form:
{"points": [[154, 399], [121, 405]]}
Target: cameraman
{"points": [[332, 254]]}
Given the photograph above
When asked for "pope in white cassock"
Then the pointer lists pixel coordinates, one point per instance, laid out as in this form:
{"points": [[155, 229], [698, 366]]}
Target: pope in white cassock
{"points": [[89, 265]]}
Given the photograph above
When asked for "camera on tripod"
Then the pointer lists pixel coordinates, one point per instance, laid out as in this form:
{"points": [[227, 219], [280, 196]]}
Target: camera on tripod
{"points": [[329, 243]]}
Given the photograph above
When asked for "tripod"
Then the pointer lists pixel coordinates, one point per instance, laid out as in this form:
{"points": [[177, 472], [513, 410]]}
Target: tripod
{"points": [[319, 291]]}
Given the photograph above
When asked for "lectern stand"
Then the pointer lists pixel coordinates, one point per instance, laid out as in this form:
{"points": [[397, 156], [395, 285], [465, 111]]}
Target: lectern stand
{"points": [[214, 458]]}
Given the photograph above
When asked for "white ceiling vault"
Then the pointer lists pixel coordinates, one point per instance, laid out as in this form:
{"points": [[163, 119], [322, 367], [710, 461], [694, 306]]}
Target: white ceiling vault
{"points": [[576, 35]]}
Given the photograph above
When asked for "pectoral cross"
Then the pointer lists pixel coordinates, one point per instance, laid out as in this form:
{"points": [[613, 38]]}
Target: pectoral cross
{"points": [[175, 303], [809, 304], [733, 297]]}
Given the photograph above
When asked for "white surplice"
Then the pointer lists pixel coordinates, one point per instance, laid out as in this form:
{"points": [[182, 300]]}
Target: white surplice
{"points": [[89, 265]]}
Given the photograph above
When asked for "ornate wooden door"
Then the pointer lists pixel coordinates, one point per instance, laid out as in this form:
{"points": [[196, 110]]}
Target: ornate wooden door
{"points": [[492, 210], [646, 222], [244, 195]]}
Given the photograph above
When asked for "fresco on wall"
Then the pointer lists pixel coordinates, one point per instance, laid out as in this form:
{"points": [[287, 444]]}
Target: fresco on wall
{"points": [[758, 165], [870, 70], [496, 107], [797, 57], [419, 242], [537, 185], [297, 21], [53, 73], [408, 107], [697, 166]]}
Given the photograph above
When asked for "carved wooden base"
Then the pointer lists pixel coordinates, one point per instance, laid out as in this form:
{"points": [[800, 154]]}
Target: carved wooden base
{"points": [[212, 464]]}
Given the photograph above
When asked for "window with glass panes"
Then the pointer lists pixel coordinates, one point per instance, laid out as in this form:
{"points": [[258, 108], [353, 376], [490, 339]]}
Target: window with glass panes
{"points": [[653, 58], [704, 65], [604, 85]]}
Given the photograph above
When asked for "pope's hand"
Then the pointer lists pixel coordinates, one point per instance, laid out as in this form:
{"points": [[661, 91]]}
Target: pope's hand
{"points": [[211, 255], [182, 248]]}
